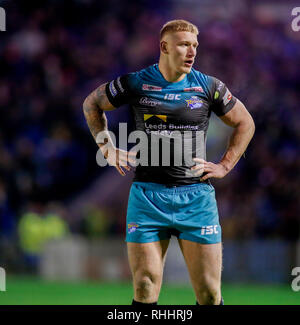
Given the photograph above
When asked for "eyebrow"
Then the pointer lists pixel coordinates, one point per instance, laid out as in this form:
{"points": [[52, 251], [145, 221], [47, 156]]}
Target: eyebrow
{"points": [[189, 42]]}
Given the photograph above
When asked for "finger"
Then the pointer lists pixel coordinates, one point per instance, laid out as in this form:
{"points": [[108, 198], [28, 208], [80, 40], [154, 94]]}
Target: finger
{"points": [[132, 162], [132, 153], [198, 166], [209, 164], [120, 170], [207, 176], [208, 169], [112, 162], [198, 173], [126, 158], [197, 170], [199, 160], [132, 158], [127, 167], [124, 162]]}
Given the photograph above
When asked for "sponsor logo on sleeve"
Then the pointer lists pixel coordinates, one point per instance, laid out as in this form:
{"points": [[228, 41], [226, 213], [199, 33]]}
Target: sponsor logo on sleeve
{"points": [[194, 102], [113, 89], [220, 85], [151, 88], [120, 85], [194, 89], [227, 97]]}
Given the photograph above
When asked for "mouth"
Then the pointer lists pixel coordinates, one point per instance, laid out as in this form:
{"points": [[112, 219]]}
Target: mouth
{"points": [[188, 63]]}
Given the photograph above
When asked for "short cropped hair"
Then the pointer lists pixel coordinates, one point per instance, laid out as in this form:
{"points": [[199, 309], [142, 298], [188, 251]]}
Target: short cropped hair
{"points": [[178, 25]]}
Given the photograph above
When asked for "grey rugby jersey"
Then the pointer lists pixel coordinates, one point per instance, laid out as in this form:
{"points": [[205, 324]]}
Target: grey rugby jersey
{"points": [[173, 117]]}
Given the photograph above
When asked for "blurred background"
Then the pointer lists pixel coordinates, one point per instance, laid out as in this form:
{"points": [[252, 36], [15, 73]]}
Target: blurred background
{"points": [[62, 217]]}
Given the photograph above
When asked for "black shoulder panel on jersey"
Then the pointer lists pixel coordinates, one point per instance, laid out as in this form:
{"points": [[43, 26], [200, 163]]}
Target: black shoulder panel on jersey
{"points": [[223, 101], [118, 91]]}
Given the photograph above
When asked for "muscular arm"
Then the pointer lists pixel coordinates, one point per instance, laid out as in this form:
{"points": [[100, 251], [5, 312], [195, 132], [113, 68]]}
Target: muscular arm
{"points": [[240, 119], [93, 107]]}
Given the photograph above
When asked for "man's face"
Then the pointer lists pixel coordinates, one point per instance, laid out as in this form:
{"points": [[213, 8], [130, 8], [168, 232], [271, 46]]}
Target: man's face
{"points": [[181, 50]]}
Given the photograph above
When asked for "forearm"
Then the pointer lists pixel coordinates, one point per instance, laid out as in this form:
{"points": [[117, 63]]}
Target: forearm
{"points": [[94, 114], [95, 118], [238, 144]]}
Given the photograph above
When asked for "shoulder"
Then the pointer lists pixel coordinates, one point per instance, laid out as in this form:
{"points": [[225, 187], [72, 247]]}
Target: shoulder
{"points": [[203, 78], [199, 79], [137, 78], [210, 83], [198, 75]]}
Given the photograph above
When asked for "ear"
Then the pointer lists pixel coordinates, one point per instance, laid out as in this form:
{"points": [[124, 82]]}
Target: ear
{"points": [[164, 47]]}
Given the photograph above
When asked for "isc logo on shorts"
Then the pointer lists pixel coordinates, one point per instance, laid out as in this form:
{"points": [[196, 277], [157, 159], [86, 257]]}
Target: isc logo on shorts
{"points": [[209, 230]]}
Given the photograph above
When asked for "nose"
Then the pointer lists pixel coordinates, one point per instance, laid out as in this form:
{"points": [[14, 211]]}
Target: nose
{"points": [[191, 51]]}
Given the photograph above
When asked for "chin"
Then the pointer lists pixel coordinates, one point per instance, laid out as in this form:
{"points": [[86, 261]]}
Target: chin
{"points": [[186, 69]]}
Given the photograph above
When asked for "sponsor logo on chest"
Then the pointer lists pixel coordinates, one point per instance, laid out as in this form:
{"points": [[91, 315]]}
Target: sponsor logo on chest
{"points": [[151, 87], [149, 102], [194, 89]]}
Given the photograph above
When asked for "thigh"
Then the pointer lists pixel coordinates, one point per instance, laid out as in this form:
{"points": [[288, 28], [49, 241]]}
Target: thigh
{"points": [[147, 259], [148, 217], [197, 216], [204, 263]]}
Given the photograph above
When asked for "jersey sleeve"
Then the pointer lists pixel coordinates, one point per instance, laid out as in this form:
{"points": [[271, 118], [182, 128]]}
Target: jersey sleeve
{"points": [[120, 91], [222, 99]]}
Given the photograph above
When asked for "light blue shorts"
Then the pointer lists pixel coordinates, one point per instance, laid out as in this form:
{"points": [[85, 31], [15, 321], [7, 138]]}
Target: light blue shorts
{"points": [[155, 212]]}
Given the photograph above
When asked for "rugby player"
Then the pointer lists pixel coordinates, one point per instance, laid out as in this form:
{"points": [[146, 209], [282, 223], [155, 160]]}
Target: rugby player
{"points": [[166, 200]]}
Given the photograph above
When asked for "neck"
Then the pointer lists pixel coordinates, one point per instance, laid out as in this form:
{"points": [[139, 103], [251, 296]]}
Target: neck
{"points": [[168, 73]]}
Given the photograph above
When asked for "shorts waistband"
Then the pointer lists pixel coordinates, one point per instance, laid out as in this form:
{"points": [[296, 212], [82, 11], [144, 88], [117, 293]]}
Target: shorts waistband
{"points": [[173, 189]]}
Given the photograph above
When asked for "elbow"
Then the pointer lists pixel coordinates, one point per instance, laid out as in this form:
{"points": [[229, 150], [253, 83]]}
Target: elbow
{"points": [[89, 106], [86, 103], [247, 125], [252, 126], [249, 128]]}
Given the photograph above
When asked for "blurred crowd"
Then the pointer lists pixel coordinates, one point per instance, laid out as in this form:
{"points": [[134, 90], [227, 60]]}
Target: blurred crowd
{"points": [[55, 53]]}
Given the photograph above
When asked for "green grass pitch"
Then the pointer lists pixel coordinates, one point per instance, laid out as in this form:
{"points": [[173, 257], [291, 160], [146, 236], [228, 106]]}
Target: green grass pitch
{"points": [[34, 291]]}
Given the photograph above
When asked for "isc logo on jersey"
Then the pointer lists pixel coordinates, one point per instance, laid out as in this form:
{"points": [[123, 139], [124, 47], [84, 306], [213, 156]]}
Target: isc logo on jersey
{"points": [[172, 97], [194, 102]]}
